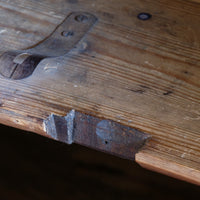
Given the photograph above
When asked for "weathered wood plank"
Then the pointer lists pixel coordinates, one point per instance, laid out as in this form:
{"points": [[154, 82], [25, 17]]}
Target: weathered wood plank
{"points": [[144, 74]]}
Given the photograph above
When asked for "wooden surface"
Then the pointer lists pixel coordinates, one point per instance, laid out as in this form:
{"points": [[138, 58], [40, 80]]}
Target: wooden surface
{"points": [[35, 168], [144, 74]]}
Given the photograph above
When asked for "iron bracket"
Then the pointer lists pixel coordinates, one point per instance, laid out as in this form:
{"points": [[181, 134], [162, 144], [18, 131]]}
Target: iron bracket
{"points": [[21, 64], [101, 134]]}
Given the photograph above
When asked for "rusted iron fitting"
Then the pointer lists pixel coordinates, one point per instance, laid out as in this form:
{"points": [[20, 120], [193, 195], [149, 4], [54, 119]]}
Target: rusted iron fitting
{"points": [[101, 134]]}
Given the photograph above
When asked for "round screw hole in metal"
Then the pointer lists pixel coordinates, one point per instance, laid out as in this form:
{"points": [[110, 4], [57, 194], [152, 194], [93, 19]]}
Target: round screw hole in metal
{"points": [[67, 33], [81, 18]]}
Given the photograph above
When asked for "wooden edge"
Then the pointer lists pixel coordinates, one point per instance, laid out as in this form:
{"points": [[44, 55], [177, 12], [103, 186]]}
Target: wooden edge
{"points": [[145, 157], [28, 123], [167, 167]]}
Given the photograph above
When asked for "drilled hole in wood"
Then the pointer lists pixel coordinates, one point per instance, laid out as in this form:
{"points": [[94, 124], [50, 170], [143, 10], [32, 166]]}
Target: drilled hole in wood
{"points": [[144, 16]]}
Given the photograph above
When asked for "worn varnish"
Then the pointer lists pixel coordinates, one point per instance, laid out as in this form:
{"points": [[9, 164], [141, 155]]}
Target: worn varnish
{"points": [[141, 73]]}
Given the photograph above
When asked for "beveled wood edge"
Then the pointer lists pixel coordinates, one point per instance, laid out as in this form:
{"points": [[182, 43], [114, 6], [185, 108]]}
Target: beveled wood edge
{"points": [[146, 159]]}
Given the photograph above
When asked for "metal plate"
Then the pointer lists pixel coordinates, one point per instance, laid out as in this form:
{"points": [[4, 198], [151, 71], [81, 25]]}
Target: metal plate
{"points": [[101, 134], [21, 64]]}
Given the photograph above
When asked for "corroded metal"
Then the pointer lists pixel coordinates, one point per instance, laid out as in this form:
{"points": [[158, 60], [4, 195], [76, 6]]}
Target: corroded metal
{"points": [[61, 128], [101, 134], [21, 64]]}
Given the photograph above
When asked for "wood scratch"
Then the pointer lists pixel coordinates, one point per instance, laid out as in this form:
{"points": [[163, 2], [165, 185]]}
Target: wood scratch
{"points": [[148, 63]]}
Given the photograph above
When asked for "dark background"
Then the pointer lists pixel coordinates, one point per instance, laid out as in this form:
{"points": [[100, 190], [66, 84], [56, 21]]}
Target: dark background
{"points": [[34, 167]]}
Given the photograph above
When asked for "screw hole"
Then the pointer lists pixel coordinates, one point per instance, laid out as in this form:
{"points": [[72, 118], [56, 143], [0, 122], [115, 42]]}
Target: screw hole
{"points": [[144, 16], [81, 18], [67, 34]]}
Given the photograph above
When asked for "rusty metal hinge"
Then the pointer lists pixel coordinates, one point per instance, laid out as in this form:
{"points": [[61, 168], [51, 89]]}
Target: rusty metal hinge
{"points": [[100, 134], [21, 64]]}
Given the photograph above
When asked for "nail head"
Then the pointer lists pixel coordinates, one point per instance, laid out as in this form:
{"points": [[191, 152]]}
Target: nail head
{"points": [[144, 16]]}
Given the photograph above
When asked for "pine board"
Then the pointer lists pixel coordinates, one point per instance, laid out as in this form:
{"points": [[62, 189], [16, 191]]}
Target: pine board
{"points": [[144, 74]]}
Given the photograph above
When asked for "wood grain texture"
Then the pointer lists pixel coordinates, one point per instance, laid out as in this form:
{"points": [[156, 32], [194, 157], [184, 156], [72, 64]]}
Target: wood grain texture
{"points": [[144, 74]]}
